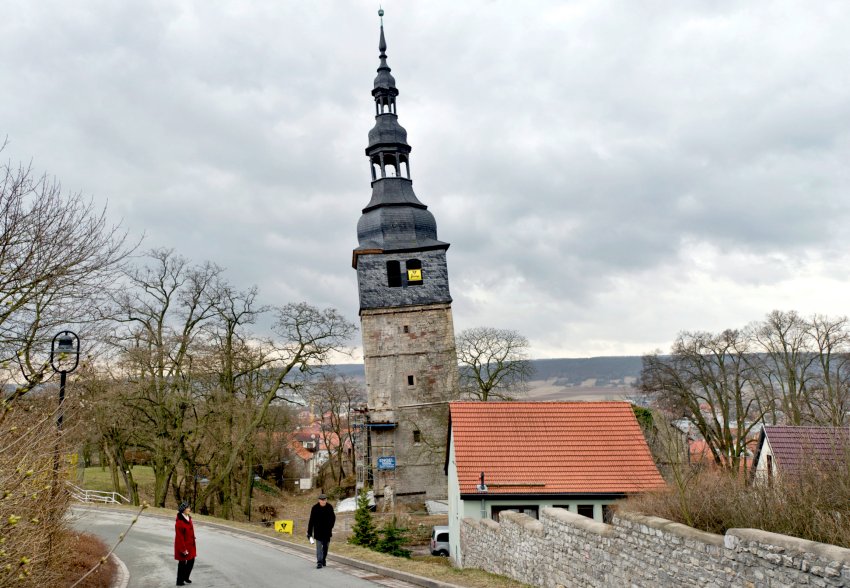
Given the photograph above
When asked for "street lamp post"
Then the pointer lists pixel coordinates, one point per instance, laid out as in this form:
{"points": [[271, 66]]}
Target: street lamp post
{"points": [[64, 358]]}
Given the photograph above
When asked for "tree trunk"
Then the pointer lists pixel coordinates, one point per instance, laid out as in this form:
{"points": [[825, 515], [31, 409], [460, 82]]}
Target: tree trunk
{"points": [[248, 487], [113, 469]]}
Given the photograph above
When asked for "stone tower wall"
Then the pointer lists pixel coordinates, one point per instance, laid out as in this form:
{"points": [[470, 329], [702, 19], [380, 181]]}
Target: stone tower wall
{"points": [[425, 351]]}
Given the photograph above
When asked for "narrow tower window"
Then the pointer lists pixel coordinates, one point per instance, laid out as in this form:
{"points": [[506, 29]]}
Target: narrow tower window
{"points": [[414, 272], [393, 274], [417, 436], [410, 380], [406, 328]]}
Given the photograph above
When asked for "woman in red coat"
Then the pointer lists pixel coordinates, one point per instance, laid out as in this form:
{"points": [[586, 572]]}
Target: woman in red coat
{"points": [[184, 544]]}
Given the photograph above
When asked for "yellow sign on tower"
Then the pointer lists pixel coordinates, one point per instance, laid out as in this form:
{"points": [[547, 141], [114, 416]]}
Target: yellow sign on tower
{"points": [[414, 275], [283, 526]]}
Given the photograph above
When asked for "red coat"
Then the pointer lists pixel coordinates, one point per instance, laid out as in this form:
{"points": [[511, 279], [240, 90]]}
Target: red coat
{"points": [[184, 538]]}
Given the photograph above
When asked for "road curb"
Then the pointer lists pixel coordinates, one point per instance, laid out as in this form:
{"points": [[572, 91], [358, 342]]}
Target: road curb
{"points": [[122, 579], [356, 563]]}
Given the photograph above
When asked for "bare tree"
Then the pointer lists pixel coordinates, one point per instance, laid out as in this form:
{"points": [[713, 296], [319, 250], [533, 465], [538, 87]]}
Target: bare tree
{"points": [[101, 402], [159, 317], [706, 378], [335, 397], [671, 452], [787, 356], [268, 371], [237, 366], [831, 397], [494, 363], [58, 259]]}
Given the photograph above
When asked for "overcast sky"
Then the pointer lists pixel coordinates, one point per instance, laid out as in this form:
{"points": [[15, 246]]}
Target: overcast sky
{"points": [[607, 173]]}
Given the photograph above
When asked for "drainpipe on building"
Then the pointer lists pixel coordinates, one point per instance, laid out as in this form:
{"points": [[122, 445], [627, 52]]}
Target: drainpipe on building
{"points": [[482, 487]]}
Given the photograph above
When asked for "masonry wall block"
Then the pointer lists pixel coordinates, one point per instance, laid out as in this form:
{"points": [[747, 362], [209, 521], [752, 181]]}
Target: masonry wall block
{"points": [[566, 549]]}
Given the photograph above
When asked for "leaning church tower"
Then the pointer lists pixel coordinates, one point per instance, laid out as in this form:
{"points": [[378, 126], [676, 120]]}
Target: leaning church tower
{"points": [[405, 316]]}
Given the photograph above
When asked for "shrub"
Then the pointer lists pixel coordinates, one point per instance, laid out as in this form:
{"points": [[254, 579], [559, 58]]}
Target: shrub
{"points": [[813, 504], [363, 531], [392, 538], [33, 499], [87, 550]]}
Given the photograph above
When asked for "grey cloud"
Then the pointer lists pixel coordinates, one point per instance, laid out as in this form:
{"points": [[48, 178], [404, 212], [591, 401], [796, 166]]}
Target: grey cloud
{"points": [[568, 151]]}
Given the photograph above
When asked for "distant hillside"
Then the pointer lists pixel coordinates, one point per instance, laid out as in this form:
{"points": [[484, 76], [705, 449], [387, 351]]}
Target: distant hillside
{"points": [[597, 372], [590, 371]]}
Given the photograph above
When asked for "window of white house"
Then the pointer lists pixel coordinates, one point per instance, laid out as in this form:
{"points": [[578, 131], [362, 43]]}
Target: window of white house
{"points": [[529, 510]]}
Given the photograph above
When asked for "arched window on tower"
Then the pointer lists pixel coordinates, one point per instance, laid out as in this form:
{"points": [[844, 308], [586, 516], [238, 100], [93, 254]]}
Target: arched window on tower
{"points": [[404, 170], [414, 272], [390, 165], [376, 169], [393, 274]]}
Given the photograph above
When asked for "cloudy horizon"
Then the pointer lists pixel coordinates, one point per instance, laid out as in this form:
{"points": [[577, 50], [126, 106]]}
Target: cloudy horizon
{"points": [[608, 173]]}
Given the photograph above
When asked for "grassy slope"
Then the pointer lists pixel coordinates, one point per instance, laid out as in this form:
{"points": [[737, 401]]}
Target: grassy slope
{"points": [[97, 478]]}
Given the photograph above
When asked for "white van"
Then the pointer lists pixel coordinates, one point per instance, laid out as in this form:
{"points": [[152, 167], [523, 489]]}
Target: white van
{"points": [[440, 540]]}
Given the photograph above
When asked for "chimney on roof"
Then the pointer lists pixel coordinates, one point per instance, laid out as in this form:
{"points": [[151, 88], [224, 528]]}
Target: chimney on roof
{"points": [[482, 487]]}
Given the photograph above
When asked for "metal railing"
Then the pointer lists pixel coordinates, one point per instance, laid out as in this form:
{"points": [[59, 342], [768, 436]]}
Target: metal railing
{"points": [[99, 496]]}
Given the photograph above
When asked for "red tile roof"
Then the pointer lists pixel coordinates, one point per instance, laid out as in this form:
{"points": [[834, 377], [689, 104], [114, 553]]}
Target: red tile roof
{"points": [[793, 446], [551, 447], [301, 451]]}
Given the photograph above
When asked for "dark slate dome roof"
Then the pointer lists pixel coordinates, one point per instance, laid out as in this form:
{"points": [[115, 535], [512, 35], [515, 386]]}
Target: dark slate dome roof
{"points": [[384, 80], [387, 130], [391, 228], [393, 191]]}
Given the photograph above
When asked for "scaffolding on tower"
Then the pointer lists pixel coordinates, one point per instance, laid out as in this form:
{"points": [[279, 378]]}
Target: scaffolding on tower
{"points": [[374, 451]]}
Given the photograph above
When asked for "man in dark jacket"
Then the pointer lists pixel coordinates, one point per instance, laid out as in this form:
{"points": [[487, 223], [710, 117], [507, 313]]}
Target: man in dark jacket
{"points": [[320, 528]]}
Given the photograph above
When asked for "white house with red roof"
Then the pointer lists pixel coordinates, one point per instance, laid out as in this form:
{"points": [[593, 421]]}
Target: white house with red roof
{"points": [[580, 456]]}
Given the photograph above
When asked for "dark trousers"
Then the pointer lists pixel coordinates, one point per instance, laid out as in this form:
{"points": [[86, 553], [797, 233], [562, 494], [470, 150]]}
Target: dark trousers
{"points": [[322, 551], [184, 568]]}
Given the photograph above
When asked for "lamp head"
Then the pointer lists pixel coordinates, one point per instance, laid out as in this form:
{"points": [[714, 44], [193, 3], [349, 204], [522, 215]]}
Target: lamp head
{"points": [[65, 352]]}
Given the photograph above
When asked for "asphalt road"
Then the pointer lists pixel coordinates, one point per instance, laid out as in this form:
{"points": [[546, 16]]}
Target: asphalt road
{"points": [[225, 559]]}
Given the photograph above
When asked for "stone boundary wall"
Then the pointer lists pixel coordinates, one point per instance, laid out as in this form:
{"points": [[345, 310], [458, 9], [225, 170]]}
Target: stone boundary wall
{"points": [[566, 549]]}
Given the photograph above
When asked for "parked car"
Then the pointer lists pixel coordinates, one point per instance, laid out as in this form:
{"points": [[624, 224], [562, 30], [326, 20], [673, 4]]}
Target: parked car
{"points": [[440, 540]]}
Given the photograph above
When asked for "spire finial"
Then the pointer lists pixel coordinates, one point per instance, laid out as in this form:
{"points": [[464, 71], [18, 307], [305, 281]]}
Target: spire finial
{"points": [[382, 45], [384, 79]]}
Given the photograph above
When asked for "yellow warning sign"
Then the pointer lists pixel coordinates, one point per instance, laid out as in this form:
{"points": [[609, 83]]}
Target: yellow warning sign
{"points": [[283, 527], [414, 275]]}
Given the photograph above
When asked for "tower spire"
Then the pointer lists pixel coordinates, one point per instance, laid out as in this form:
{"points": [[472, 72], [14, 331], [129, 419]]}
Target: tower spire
{"points": [[385, 79], [394, 219]]}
